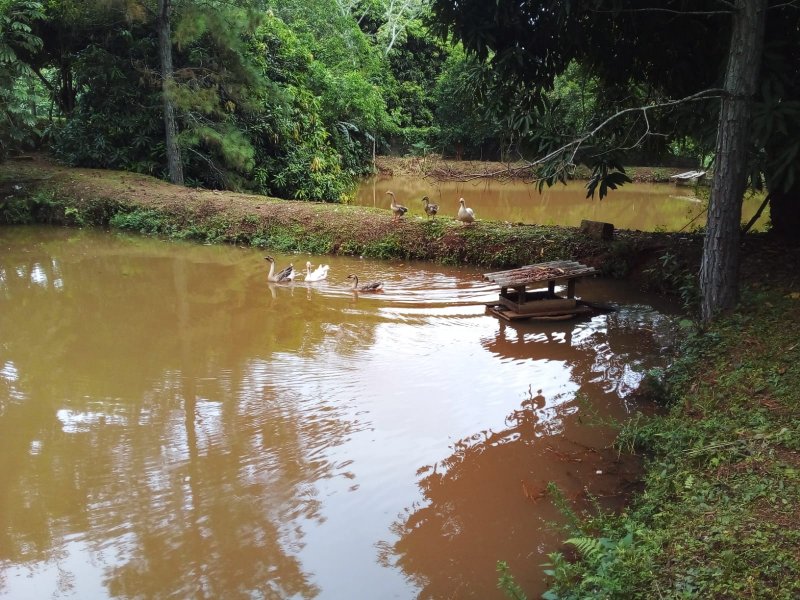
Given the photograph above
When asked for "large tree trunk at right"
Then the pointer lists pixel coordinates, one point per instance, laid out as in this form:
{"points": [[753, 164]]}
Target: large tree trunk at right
{"points": [[719, 271], [174, 163]]}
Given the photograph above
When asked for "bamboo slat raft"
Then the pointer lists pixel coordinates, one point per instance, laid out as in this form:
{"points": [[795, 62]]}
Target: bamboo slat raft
{"points": [[516, 302]]}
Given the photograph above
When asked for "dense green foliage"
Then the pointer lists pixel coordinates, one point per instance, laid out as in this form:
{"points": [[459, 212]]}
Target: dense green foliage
{"points": [[244, 92], [274, 96], [18, 98]]}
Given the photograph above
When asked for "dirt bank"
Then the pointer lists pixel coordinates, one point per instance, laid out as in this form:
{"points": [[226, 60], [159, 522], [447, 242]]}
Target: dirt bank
{"points": [[43, 191], [438, 168]]}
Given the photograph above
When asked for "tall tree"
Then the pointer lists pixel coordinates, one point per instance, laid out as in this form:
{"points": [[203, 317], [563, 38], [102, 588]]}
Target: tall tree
{"points": [[167, 83], [719, 269]]}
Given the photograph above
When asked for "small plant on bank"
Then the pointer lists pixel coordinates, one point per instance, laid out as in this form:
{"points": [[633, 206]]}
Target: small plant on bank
{"points": [[143, 221], [671, 276], [43, 206]]}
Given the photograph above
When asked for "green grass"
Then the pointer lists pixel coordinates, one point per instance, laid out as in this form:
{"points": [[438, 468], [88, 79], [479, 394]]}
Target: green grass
{"points": [[717, 517]]}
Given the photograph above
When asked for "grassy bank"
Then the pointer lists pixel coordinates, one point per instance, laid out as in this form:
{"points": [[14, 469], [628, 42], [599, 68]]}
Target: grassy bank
{"points": [[718, 514], [40, 191]]}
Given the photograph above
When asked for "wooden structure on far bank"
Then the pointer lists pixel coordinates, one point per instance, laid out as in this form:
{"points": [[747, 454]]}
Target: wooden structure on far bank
{"points": [[689, 178], [517, 302]]}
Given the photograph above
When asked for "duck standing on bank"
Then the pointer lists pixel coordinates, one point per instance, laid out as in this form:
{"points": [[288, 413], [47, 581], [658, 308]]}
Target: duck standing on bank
{"points": [[465, 215], [398, 210], [372, 286], [430, 208], [286, 274]]}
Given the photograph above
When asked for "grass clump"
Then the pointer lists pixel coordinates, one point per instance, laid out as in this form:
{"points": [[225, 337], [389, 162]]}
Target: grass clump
{"points": [[141, 221]]}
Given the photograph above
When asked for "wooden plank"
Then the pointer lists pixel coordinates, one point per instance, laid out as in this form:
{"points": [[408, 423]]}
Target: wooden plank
{"points": [[566, 266], [539, 306], [552, 272], [511, 315], [552, 263], [528, 278], [544, 265]]}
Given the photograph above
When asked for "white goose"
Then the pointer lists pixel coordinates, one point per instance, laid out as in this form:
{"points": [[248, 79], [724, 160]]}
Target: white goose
{"points": [[286, 274], [318, 274], [465, 215]]}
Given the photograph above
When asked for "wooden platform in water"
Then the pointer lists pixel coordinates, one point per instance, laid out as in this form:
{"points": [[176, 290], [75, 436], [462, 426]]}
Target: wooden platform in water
{"points": [[511, 315], [516, 302]]}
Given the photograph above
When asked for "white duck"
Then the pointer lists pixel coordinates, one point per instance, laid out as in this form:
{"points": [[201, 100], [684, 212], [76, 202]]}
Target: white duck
{"points": [[286, 274], [373, 286], [318, 274], [465, 215]]}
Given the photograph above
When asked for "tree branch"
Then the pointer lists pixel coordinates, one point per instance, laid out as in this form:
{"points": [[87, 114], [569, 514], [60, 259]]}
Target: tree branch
{"points": [[756, 216], [792, 3], [44, 80], [572, 147]]}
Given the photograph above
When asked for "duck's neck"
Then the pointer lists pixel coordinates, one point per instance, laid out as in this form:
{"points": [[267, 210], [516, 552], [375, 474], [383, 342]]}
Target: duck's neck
{"points": [[355, 282], [271, 273]]}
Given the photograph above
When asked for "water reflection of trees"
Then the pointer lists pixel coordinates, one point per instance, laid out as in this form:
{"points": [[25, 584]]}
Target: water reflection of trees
{"points": [[150, 420], [487, 500]]}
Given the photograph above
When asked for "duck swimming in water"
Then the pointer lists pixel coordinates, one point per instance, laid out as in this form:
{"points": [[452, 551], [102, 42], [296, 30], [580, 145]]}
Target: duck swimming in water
{"points": [[318, 274], [372, 286], [286, 274]]}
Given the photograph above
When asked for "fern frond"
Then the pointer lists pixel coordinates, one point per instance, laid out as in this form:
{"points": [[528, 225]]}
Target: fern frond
{"points": [[588, 547]]}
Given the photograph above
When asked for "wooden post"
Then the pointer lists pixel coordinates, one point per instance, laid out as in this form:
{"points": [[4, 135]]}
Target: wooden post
{"points": [[551, 287], [520, 297], [571, 288]]}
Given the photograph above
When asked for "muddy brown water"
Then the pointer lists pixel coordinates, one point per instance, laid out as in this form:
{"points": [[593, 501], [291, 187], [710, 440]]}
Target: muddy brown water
{"points": [[639, 206], [171, 425]]}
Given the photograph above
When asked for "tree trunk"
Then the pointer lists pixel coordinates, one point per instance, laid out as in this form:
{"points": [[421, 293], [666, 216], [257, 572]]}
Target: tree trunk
{"points": [[719, 271], [171, 129]]}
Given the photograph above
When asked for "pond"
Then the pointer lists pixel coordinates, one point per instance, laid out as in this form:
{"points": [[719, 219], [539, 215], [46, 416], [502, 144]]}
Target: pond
{"points": [[171, 425], [637, 206]]}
